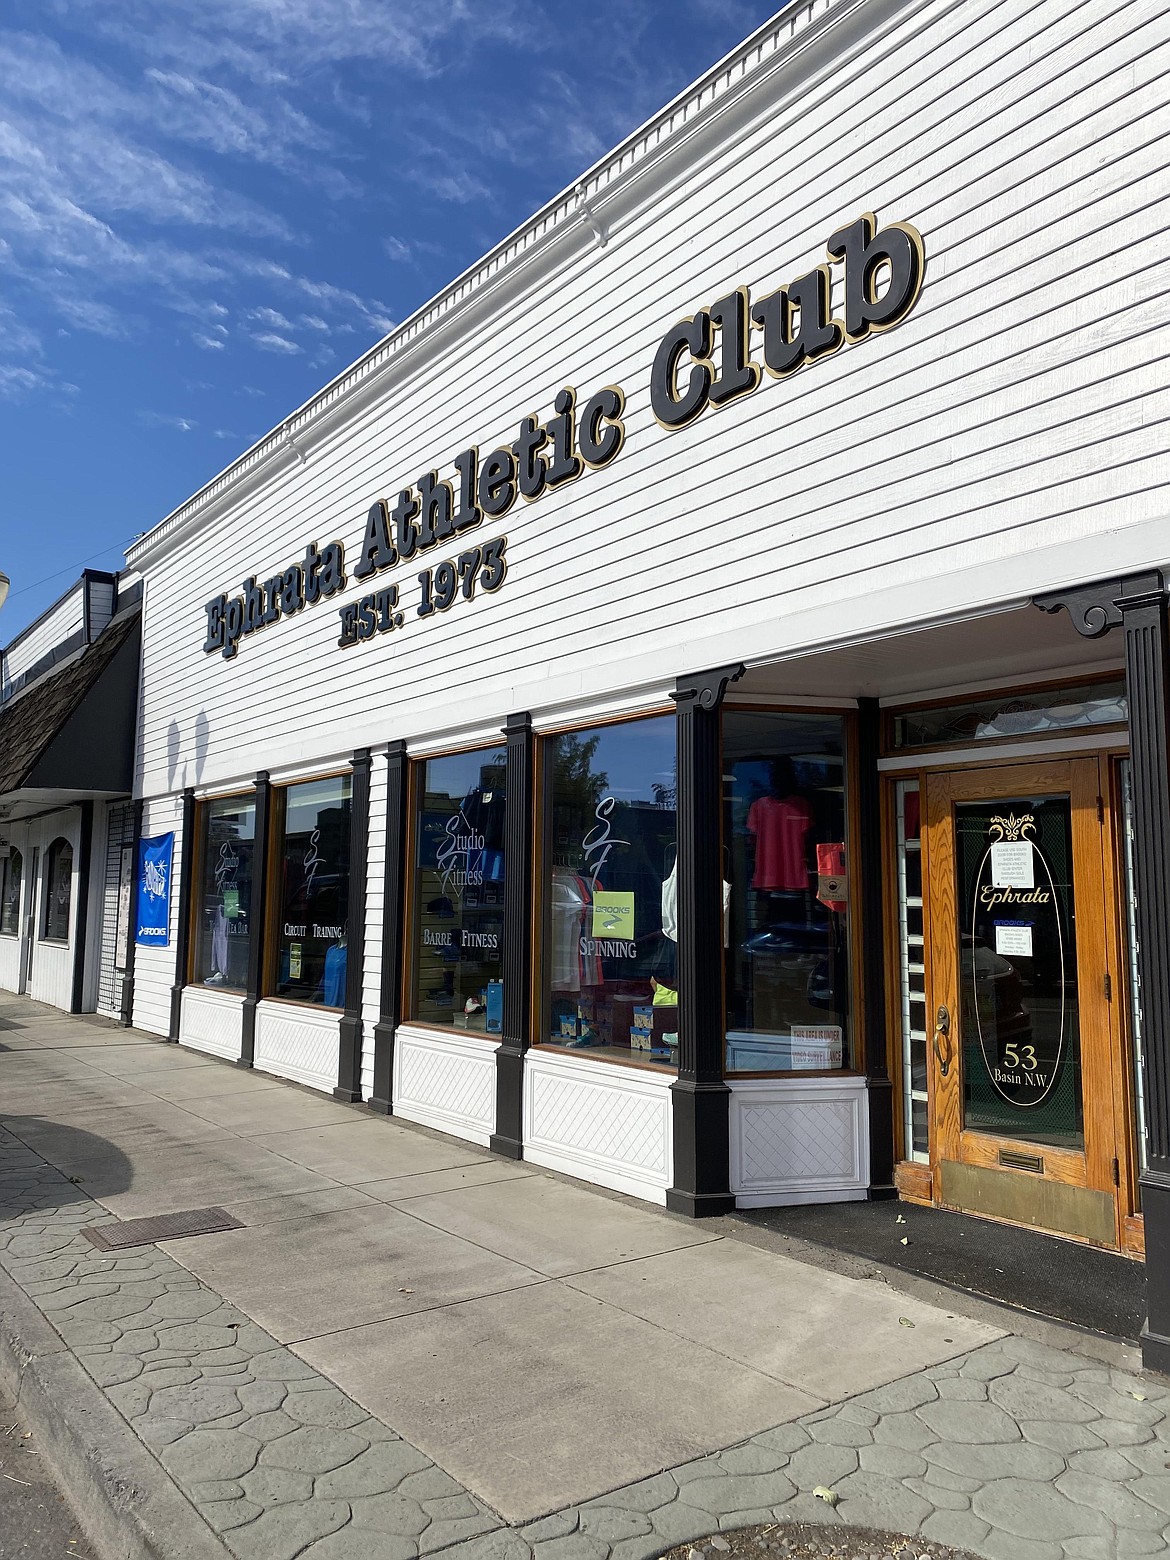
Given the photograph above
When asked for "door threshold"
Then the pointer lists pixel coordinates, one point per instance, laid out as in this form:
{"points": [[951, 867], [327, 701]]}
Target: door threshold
{"points": [[1045, 1275]]}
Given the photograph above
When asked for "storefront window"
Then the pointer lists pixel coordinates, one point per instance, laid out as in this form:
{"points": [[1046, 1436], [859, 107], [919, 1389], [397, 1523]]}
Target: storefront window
{"points": [[313, 856], [10, 875], [458, 890], [1022, 712], [787, 892], [58, 891], [223, 912], [611, 929]]}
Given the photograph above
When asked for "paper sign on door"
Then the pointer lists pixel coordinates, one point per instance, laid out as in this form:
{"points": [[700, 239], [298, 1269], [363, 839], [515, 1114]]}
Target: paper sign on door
{"points": [[1011, 864], [1014, 938]]}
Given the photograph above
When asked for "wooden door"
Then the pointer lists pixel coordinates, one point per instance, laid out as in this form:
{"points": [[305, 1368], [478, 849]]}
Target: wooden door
{"points": [[1024, 1047]]}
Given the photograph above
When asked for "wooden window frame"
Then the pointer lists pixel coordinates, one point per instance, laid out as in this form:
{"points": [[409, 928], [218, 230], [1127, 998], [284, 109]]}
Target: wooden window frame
{"points": [[856, 927], [541, 991], [890, 713], [415, 769], [203, 807], [274, 864]]}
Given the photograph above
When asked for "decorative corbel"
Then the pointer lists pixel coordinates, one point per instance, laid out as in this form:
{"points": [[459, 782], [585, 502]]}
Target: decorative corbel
{"points": [[1097, 607], [707, 689]]}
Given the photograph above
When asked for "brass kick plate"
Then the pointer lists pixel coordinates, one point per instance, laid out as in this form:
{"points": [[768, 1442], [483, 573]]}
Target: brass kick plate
{"points": [[1045, 1205]]}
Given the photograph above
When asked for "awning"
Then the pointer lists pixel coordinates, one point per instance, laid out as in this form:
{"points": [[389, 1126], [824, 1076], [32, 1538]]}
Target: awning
{"points": [[72, 731]]}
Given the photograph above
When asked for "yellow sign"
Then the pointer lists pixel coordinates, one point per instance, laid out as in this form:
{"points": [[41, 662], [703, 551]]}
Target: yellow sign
{"points": [[613, 914]]}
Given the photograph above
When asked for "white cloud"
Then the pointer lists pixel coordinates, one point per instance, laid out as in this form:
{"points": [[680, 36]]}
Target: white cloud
{"points": [[270, 317], [269, 341], [395, 248], [120, 181], [166, 420]]}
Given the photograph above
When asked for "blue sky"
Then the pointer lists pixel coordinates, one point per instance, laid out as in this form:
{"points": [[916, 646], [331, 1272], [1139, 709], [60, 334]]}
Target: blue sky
{"points": [[209, 207]]}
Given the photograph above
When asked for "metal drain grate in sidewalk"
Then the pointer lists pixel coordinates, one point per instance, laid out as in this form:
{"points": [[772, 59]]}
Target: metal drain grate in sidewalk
{"points": [[162, 1226]]}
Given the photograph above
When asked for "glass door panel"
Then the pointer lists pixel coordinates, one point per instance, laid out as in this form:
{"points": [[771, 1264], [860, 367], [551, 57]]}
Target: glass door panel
{"points": [[1019, 1008]]}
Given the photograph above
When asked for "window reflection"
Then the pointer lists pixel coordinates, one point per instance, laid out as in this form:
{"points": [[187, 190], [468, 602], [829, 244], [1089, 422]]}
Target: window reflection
{"points": [[458, 890], [10, 876], [611, 929], [312, 933], [788, 893], [225, 892], [58, 891]]}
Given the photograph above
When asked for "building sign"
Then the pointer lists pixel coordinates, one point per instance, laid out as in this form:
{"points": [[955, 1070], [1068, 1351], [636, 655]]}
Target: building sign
{"points": [[703, 362], [154, 891]]}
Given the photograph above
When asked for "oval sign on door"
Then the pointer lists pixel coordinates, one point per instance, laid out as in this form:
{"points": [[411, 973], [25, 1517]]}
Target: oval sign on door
{"points": [[1015, 947]]}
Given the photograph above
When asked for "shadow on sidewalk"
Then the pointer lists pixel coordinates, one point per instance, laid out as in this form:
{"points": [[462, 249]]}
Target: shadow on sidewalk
{"points": [[92, 1166]]}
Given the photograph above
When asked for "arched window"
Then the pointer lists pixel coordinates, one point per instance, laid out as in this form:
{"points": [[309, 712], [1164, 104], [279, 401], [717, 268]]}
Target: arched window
{"points": [[58, 890], [11, 871]]}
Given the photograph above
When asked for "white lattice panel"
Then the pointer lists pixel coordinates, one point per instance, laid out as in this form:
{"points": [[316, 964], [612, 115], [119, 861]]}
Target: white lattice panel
{"points": [[446, 1081], [799, 1140], [602, 1123], [210, 1021], [299, 1044]]}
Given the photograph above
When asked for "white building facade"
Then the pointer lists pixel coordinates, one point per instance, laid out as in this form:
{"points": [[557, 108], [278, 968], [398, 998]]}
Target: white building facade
{"points": [[615, 722]]}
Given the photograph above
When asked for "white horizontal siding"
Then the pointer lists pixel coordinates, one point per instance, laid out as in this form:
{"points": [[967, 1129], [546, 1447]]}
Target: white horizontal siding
{"points": [[154, 968], [66, 618], [101, 605], [1016, 422]]}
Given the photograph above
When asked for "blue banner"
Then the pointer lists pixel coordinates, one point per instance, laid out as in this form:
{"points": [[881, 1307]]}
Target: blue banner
{"points": [[154, 891]]}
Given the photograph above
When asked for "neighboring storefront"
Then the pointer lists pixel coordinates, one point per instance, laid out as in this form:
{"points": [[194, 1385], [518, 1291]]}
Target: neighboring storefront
{"points": [[659, 713], [68, 706]]}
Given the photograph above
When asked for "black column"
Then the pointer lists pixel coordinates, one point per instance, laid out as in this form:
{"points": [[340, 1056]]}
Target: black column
{"points": [[1138, 605], [508, 1138], [257, 919], [868, 896], [349, 1059], [700, 1099], [390, 1001], [81, 921], [126, 1016], [183, 918]]}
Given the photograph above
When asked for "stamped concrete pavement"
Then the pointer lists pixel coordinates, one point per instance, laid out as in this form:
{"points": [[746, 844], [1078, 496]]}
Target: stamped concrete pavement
{"points": [[413, 1347]]}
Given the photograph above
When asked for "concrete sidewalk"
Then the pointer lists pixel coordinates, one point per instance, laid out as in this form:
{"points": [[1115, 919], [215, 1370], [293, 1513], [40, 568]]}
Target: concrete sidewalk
{"points": [[413, 1346]]}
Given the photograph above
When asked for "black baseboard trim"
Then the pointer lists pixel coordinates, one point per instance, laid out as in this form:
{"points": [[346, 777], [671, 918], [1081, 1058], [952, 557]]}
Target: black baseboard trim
{"points": [[700, 1205], [1155, 1351], [506, 1147]]}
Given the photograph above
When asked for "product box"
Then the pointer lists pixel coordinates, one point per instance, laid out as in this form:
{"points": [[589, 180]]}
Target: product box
{"points": [[568, 1028], [495, 1006], [641, 1039]]}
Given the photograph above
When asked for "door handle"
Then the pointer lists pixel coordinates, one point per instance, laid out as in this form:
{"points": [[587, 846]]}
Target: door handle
{"points": [[942, 1032]]}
